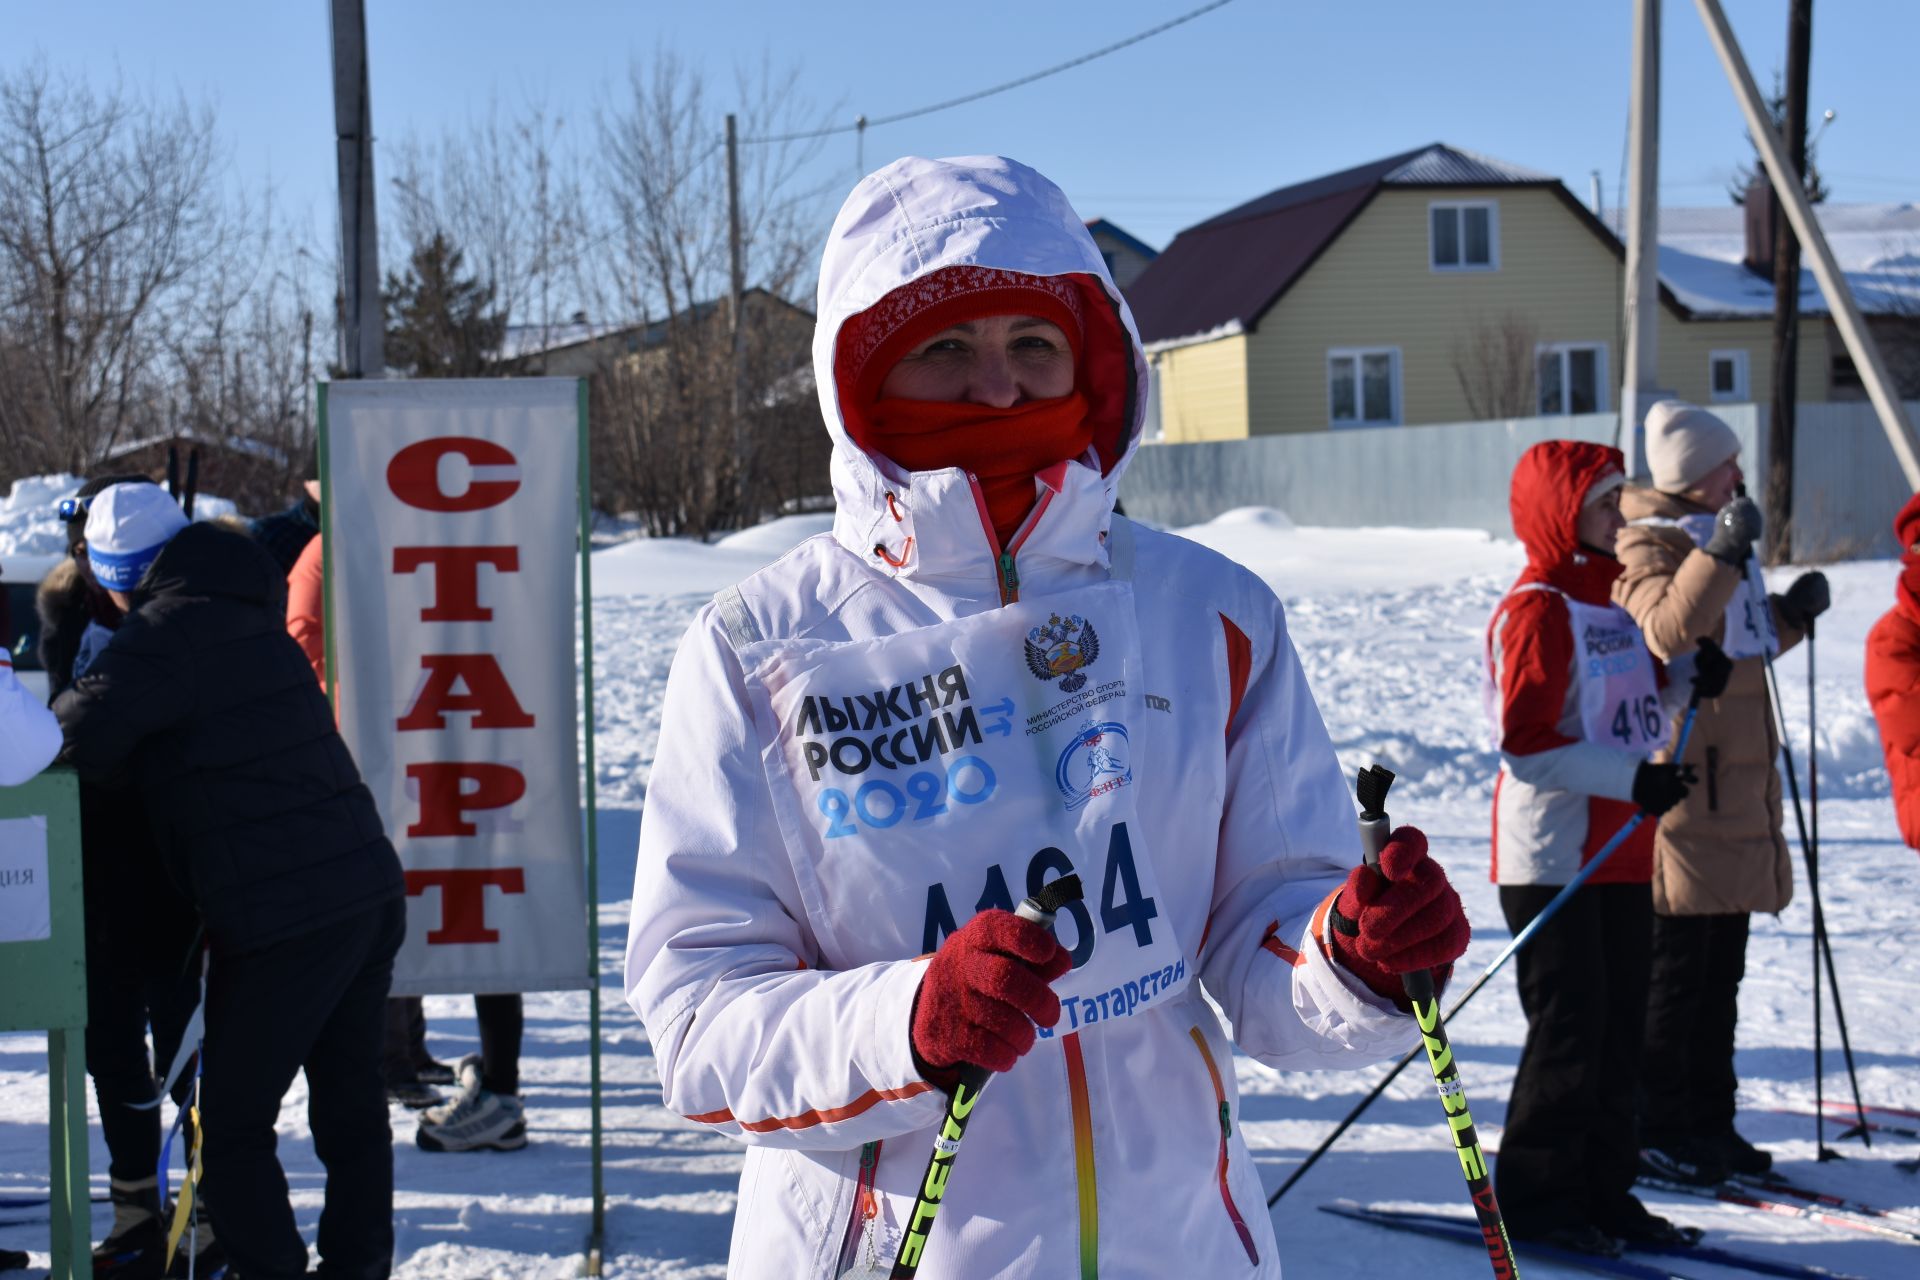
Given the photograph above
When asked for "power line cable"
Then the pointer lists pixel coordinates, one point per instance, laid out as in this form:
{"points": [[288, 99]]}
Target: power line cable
{"points": [[865, 122]]}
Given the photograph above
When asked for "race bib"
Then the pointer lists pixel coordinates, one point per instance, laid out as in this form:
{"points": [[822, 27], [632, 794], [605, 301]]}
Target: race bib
{"points": [[1619, 693], [1750, 632], [922, 777]]}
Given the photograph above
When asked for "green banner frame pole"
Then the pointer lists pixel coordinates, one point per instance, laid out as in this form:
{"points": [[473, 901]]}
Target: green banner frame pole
{"points": [[46, 989], [597, 1234]]}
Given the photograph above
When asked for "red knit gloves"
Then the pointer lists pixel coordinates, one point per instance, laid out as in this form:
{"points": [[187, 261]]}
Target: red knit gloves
{"points": [[1399, 919], [984, 990]]}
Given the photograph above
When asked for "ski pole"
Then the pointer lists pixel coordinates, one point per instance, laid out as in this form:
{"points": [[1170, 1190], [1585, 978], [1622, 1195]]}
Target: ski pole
{"points": [[1520, 940], [1040, 909], [1375, 828], [1810, 855]]}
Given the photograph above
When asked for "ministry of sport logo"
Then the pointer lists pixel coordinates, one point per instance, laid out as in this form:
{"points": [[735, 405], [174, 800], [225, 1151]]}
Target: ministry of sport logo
{"points": [[1061, 649], [1098, 760]]}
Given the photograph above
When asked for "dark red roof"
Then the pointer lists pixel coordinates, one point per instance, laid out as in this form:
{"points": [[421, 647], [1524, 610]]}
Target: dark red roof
{"points": [[1231, 268]]}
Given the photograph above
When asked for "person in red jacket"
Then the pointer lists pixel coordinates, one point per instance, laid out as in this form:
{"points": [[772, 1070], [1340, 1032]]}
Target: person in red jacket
{"points": [[1575, 703], [1893, 677]]}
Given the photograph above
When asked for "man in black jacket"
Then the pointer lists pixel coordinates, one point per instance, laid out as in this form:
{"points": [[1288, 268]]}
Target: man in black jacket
{"points": [[206, 704]]}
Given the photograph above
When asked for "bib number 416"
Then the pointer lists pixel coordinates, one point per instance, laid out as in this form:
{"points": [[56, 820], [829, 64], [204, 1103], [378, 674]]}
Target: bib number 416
{"points": [[1123, 908]]}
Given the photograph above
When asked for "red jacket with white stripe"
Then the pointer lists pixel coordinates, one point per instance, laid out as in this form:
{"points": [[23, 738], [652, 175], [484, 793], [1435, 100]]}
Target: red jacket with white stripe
{"points": [[1558, 797], [1111, 1152]]}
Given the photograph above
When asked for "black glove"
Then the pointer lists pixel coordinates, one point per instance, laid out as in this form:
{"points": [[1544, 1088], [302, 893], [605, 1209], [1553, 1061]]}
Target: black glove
{"points": [[1659, 787], [1806, 599], [1712, 668], [1736, 527]]}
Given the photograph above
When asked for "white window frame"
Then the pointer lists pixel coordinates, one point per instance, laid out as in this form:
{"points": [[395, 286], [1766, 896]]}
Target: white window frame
{"points": [[1742, 385], [1493, 236], [1602, 399], [1359, 389]]}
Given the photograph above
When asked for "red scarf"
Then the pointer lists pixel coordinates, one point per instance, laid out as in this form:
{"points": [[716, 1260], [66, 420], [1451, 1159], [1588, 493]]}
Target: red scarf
{"points": [[1004, 448]]}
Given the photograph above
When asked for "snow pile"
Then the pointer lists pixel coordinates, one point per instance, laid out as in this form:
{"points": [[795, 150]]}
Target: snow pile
{"points": [[680, 566]]}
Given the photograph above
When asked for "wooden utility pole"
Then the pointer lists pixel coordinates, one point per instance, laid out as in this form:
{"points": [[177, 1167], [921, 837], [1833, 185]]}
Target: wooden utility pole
{"points": [[362, 318], [1826, 269], [1786, 296], [736, 290], [1640, 377]]}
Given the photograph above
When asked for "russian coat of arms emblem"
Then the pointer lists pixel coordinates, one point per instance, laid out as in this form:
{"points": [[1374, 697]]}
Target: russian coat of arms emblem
{"points": [[1061, 649]]}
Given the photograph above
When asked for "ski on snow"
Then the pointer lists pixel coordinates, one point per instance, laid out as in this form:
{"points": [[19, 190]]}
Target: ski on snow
{"points": [[1778, 1185], [1461, 1231], [1850, 1121], [1765, 1198]]}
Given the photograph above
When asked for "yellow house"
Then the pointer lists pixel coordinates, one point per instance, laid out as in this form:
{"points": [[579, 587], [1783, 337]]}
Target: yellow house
{"points": [[1433, 286]]}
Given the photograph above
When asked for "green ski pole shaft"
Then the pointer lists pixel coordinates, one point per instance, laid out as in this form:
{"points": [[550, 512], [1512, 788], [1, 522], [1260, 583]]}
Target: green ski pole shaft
{"points": [[1374, 830]]}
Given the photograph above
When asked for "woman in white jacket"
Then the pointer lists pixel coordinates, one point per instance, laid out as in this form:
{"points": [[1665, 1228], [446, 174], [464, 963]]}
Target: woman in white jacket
{"points": [[980, 680]]}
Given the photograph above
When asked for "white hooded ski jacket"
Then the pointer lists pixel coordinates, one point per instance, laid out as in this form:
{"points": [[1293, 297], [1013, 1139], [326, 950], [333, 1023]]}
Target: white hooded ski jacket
{"points": [[1107, 1153], [29, 735]]}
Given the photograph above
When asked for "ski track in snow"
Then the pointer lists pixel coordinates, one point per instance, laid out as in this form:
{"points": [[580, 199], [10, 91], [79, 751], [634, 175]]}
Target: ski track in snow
{"points": [[1395, 668]]}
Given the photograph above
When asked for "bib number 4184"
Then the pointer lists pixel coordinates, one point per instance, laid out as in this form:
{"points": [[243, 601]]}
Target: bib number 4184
{"points": [[1123, 908]]}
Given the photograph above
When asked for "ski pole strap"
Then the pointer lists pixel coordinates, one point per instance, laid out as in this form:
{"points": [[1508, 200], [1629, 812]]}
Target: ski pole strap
{"points": [[186, 1206]]}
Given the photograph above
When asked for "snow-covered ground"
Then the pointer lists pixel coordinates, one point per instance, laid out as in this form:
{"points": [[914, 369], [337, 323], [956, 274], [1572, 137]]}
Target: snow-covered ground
{"points": [[1389, 624]]}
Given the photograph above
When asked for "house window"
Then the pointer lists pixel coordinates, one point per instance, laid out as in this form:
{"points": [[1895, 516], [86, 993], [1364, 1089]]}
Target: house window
{"points": [[1572, 377], [1727, 375], [1363, 386], [1464, 236]]}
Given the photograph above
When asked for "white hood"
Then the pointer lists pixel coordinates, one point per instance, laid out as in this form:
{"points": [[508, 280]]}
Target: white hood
{"points": [[915, 217]]}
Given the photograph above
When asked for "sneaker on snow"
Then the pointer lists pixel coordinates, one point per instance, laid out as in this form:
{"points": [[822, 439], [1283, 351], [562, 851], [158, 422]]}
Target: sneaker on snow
{"points": [[136, 1246], [1696, 1163], [1742, 1156], [1585, 1238], [477, 1120], [414, 1095], [433, 1071]]}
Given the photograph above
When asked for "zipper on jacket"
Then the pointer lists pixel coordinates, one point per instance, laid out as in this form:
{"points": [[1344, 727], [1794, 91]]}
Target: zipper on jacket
{"points": [[1006, 576], [1226, 1132], [1713, 779], [862, 1223]]}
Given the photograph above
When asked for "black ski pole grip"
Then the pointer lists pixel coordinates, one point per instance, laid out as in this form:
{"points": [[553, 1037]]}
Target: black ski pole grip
{"points": [[1040, 909]]}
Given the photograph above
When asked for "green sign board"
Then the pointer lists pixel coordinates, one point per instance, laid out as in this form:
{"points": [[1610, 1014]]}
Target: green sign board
{"points": [[43, 961]]}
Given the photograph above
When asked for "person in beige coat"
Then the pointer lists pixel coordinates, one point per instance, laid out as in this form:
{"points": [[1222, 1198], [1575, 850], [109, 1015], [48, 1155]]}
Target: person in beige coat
{"points": [[1688, 571]]}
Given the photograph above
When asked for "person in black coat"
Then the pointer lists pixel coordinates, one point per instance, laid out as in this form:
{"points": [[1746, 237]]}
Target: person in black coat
{"points": [[205, 704]]}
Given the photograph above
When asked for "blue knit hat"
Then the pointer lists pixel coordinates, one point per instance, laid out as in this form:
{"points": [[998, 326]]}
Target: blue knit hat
{"points": [[127, 525]]}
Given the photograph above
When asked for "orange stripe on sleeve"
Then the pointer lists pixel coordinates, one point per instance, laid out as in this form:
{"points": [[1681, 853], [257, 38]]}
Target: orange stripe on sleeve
{"points": [[1239, 666], [807, 1119]]}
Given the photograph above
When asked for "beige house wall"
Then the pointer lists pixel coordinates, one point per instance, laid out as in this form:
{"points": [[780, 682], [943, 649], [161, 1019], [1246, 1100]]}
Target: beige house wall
{"points": [[1203, 391], [1374, 287]]}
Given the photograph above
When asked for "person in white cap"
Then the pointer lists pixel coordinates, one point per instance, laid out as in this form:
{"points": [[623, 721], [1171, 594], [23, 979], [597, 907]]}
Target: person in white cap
{"points": [[1688, 571], [126, 527], [29, 735]]}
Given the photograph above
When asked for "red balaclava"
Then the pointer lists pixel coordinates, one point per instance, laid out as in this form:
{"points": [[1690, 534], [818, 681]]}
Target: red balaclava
{"points": [[1004, 448], [1906, 527]]}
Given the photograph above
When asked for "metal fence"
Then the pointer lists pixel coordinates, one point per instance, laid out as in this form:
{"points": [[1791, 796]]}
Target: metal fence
{"points": [[1455, 475]]}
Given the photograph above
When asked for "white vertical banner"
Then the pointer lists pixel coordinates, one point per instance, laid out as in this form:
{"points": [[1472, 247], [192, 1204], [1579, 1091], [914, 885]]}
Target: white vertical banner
{"points": [[452, 536]]}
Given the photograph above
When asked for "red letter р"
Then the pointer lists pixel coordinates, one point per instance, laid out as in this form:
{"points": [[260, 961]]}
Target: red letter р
{"points": [[414, 474], [445, 800], [456, 578], [487, 695], [463, 900]]}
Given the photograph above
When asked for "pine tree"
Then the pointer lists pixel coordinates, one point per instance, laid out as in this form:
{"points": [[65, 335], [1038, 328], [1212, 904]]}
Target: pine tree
{"points": [[439, 325]]}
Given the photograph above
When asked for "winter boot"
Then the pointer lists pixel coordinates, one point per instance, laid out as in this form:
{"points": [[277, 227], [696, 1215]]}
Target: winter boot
{"points": [[1742, 1157], [477, 1120], [414, 1095], [1690, 1160], [1633, 1225], [1584, 1238], [136, 1247], [434, 1071]]}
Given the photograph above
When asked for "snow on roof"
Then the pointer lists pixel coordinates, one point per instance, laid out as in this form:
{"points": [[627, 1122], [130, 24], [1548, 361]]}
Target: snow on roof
{"points": [[1876, 245], [522, 340]]}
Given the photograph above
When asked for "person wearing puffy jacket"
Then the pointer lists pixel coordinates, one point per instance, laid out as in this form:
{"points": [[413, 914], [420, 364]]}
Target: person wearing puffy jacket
{"points": [[1574, 698], [980, 680], [1893, 677], [1688, 570]]}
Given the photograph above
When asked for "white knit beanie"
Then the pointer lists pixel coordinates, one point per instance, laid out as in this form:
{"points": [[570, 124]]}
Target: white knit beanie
{"points": [[1684, 443], [127, 525]]}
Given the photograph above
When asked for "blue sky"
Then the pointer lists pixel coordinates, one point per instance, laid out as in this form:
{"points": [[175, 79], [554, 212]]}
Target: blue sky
{"points": [[1156, 137]]}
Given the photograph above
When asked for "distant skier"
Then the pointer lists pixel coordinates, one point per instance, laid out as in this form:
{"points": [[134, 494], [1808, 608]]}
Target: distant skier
{"points": [[1577, 711], [1893, 677], [1688, 570], [861, 761]]}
